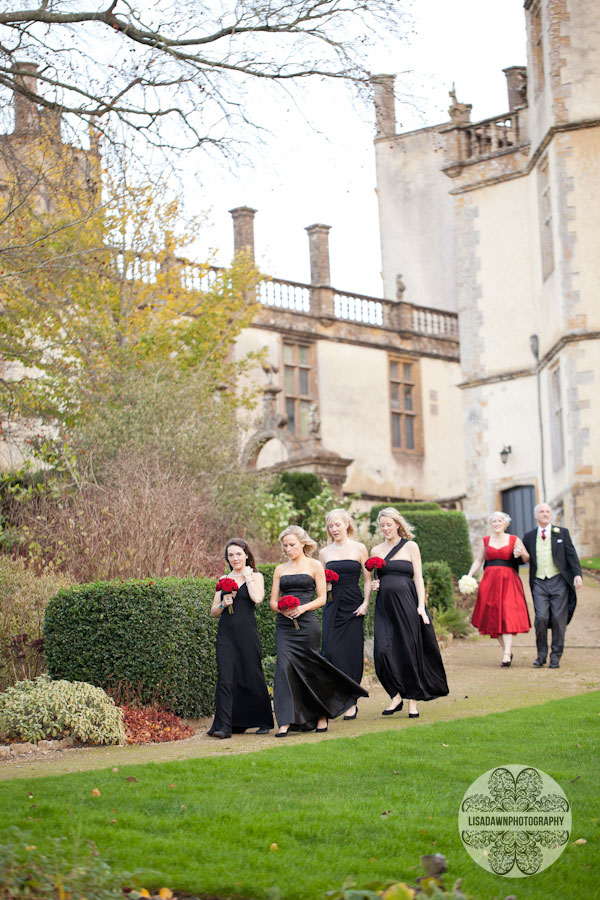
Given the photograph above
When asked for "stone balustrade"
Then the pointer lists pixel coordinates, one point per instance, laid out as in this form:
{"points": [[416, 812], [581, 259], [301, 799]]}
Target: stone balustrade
{"points": [[481, 140], [325, 303]]}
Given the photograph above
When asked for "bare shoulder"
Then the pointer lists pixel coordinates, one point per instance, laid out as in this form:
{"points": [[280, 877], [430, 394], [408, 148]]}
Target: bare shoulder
{"points": [[413, 548], [380, 548], [316, 566]]}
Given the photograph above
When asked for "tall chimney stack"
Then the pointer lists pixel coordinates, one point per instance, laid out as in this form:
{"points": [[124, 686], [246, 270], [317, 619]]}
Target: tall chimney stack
{"points": [[516, 85], [385, 108], [26, 112], [318, 239], [243, 230]]}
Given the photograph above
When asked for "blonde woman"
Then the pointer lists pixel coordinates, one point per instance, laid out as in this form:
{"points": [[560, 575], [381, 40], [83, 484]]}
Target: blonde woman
{"points": [[501, 609], [307, 690], [408, 662], [343, 615]]}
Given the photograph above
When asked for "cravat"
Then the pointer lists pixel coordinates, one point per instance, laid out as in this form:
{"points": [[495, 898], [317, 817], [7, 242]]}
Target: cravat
{"points": [[543, 534]]}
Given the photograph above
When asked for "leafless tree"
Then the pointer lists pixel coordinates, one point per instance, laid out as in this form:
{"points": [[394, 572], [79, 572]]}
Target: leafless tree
{"points": [[178, 71]]}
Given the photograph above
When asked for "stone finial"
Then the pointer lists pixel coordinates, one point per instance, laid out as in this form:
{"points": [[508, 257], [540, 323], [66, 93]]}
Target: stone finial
{"points": [[385, 111], [400, 287], [243, 229], [460, 113], [516, 85], [318, 238]]}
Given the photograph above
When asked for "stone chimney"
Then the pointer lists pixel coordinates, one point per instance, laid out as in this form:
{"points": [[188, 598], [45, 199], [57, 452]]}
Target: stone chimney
{"points": [[318, 239], [27, 114], [385, 111], [516, 85], [243, 230]]}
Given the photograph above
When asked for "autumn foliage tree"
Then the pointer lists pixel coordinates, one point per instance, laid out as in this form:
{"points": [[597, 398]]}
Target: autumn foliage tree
{"points": [[119, 354]]}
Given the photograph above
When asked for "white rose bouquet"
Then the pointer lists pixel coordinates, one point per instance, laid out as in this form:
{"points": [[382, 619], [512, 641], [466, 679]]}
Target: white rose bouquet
{"points": [[467, 585]]}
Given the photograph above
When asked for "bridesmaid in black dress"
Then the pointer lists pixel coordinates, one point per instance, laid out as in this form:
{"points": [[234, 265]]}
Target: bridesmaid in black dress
{"points": [[242, 699], [408, 662], [343, 641], [308, 690]]}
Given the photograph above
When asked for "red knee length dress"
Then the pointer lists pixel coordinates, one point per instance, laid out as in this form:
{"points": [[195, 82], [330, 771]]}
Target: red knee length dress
{"points": [[501, 607]]}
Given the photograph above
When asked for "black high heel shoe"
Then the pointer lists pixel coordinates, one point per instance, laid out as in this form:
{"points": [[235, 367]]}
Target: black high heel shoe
{"points": [[353, 716], [390, 712], [505, 664], [321, 730]]}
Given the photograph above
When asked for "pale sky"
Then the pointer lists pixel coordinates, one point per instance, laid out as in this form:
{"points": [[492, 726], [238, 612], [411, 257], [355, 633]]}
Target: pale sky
{"points": [[326, 173]]}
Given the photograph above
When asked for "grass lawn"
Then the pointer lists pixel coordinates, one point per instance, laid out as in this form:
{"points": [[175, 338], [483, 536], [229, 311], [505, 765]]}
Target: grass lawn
{"points": [[368, 806], [591, 562]]}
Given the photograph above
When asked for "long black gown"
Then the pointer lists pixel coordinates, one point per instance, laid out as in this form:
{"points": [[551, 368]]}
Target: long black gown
{"points": [[407, 657], [343, 641], [241, 699], [306, 685]]}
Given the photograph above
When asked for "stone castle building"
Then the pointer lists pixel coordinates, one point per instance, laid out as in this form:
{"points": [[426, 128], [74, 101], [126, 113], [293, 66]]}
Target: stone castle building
{"points": [[357, 389], [499, 222]]}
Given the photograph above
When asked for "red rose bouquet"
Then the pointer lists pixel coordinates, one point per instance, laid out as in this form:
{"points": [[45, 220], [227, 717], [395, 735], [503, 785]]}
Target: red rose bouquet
{"points": [[288, 601], [330, 577], [227, 586], [374, 562]]}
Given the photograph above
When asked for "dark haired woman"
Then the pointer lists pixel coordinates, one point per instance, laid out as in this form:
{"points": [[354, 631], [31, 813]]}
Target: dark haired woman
{"points": [[241, 699]]}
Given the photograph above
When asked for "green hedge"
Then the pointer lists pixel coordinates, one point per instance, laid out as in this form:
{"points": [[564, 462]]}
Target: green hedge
{"points": [[438, 585], [157, 635], [441, 534]]}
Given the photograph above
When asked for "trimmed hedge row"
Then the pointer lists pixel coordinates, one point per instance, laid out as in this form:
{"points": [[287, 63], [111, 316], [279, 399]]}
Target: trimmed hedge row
{"points": [[157, 635], [442, 534]]}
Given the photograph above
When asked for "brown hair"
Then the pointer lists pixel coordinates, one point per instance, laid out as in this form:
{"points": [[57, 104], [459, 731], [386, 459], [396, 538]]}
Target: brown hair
{"points": [[405, 530], [240, 542]]}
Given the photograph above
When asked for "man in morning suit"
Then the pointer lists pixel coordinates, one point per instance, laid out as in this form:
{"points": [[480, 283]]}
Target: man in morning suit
{"points": [[554, 577]]}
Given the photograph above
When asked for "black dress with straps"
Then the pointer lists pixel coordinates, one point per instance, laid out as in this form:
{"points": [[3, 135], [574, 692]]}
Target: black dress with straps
{"points": [[306, 687], [242, 698], [407, 657], [343, 632]]}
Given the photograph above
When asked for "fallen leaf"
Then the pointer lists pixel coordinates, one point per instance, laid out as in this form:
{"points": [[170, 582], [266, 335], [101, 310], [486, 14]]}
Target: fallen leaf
{"points": [[165, 893], [144, 893], [396, 772], [577, 777], [580, 841], [132, 778], [115, 768], [273, 846], [113, 821], [445, 745], [385, 813], [95, 792], [30, 847], [171, 785]]}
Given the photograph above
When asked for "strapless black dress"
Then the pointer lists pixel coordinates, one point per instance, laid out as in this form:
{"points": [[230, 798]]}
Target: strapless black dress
{"points": [[241, 698], [306, 686], [343, 641], [407, 657]]}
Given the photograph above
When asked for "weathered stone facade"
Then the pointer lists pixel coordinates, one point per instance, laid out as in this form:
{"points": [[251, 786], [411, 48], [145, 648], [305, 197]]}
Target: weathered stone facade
{"points": [[524, 230]]}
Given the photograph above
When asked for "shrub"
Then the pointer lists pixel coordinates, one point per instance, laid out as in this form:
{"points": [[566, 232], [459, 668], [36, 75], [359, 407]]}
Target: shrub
{"points": [[23, 598], [455, 621], [301, 487], [438, 585], [441, 534], [44, 709], [158, 635], [72, 868]]}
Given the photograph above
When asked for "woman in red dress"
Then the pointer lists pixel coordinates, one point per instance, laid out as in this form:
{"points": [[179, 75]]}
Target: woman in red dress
{"points": [[501, 610]]}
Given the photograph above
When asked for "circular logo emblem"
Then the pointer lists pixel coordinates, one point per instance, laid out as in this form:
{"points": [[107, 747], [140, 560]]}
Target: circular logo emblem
{"points": [[514, 821]]}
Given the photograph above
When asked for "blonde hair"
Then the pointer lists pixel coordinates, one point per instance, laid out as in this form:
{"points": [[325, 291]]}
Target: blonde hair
{"points": [[303, 537], [501, 515], [405, 529], [343, 515]]}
